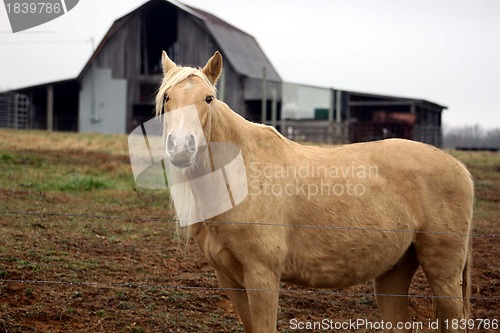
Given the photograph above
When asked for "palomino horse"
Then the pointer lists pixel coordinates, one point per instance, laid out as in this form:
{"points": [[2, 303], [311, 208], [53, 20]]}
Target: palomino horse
{"points": [[325, 217]]}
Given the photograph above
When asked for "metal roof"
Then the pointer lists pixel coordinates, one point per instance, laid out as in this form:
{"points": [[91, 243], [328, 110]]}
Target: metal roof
{"points": [[238, 47], [397, 98]]}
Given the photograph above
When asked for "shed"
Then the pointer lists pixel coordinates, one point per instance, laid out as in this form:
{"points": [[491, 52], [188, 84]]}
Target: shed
{"points": [[330, 115]]}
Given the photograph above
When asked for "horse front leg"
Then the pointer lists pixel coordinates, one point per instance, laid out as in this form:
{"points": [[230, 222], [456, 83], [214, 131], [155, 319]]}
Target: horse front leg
{"points": [[262, 285], [239, 297]]}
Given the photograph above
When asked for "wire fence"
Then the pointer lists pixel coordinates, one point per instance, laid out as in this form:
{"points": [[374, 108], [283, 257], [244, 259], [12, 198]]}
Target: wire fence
{"points": [[208, 288], [305, 226], [101, 284]]}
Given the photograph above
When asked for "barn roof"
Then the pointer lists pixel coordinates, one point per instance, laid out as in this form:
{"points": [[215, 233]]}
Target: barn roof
{"points": [[41, 85], [375, 97], [239, 49]]}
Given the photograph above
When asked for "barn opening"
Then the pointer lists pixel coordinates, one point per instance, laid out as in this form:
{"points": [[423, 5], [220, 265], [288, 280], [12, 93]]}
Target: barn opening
{"points": [[375, 118], [158, 33], [65, 97]]}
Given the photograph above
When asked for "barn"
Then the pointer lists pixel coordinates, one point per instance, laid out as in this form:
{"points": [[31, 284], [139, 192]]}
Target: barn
{"points": [[126, 66], [114, 91]]}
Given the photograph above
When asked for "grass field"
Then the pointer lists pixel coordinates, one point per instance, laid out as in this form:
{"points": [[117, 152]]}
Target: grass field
{"points": [[83, 250]]}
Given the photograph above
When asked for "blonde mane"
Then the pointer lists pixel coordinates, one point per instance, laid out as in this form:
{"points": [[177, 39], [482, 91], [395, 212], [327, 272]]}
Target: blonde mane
{"points": [[175, 76]]}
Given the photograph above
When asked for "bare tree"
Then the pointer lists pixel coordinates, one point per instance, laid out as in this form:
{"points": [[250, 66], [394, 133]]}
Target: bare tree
{"points": [[473, 136]]}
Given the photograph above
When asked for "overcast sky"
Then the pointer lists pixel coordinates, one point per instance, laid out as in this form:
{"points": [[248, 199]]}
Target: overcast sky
{"points": [[444, 51]]}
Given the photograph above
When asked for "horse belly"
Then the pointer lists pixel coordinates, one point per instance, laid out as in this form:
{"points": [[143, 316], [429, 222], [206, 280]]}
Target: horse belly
{"points": [[337, 263]]}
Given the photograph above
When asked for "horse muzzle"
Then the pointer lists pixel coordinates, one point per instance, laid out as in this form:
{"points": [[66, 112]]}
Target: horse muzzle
{"points": [[181, 149]]}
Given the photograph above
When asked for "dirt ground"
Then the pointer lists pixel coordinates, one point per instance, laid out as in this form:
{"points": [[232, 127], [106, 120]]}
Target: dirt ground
{"points": [[83, 250]]}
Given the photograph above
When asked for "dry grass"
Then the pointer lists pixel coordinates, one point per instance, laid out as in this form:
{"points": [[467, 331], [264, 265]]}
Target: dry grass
{"points": [[86, 177], [54, 141]]}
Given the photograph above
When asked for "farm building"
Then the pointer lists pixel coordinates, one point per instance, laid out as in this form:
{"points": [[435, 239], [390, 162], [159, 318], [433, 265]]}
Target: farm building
{"points": [[114, 92], [339, 116]]}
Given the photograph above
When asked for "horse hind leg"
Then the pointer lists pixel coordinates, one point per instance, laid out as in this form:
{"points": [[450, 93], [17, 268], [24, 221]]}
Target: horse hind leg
{"points": [[393, 308], [444, 261]]}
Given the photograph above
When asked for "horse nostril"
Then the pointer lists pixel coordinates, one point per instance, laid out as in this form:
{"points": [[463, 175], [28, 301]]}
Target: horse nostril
{"points": [[191, 143], [171, 144]]}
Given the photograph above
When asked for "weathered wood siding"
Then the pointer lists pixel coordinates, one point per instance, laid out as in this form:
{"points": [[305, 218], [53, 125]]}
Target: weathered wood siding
{"points": [[121, 54], [196, 46], [233, 93]]}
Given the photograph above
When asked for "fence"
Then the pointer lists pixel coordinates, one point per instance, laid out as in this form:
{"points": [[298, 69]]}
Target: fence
{"points": [[428, 134], [315, 131], [102, 295], [104, 284], [14, 111], [340, 133]]}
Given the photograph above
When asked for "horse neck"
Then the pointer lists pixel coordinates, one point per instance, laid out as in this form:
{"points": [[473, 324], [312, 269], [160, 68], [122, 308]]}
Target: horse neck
{"points": [[228, 126]]}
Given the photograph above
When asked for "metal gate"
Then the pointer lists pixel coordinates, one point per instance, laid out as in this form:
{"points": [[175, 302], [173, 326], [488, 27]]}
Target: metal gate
{"points": [[14, 111]]}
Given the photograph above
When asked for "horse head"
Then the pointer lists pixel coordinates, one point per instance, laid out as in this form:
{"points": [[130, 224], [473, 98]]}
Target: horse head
{"points": [[187, 99]]}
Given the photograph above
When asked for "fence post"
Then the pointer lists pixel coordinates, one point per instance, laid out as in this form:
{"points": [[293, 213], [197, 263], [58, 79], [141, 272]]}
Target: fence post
{"points": [[264, 96], [50, 107], [274, 108]]}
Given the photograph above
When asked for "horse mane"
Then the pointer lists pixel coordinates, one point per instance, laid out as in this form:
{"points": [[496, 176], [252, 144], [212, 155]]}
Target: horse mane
{"points": [[175, 76]]}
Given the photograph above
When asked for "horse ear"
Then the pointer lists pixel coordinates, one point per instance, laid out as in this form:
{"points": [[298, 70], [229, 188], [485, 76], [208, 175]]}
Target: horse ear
{"points": [[213, 67], [166, 63]]}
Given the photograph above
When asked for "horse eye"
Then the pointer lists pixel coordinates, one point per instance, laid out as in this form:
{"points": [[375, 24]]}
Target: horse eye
{"points": [[209, 99], [165, 99]]}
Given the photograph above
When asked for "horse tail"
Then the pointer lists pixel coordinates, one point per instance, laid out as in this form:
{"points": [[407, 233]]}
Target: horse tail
{"points": [[466, 281], [466, 273]]}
